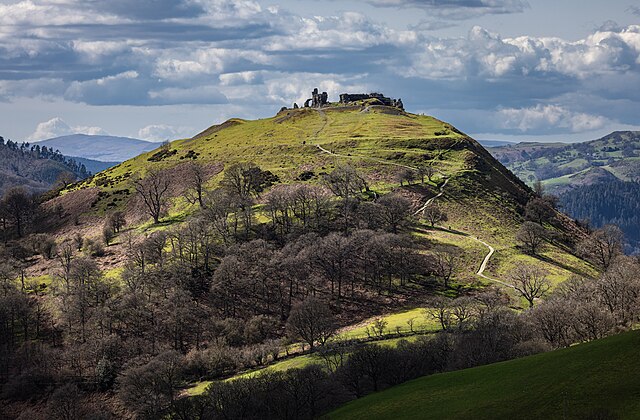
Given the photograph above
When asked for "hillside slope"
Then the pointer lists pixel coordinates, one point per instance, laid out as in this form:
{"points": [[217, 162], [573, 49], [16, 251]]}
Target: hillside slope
{"points": [[482, 198], [101, 148], [593, 380]]}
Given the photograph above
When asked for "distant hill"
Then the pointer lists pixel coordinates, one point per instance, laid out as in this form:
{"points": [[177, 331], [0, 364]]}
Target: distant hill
{"points": [[94, 166], [580, 173], [495, 143], [101, 148], [596, 380], [563, 166], [34, 167]]}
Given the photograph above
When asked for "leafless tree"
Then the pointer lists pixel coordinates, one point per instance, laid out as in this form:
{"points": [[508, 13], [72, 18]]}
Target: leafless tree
{"points": [[532, 236], [18, 207], [426, 170], [445, 264], [245, 179], [345, 182], [539, 210], [153, 189], [196, 178], [463, 311], [394, 211], [440, 310], [312, 321], [530, 282], [603, 245], [619, 290], [554, 319], [117, 221], [408, 175], [434, 214]]}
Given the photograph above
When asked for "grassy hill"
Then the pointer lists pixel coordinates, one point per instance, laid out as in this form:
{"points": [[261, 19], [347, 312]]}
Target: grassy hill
{"points": [[597, 380], [481, 198]]}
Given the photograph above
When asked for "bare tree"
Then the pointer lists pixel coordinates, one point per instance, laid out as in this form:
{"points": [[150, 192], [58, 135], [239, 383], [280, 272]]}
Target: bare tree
{"points": [[153, 190], [246, 179], [18, 207], [196, 178], [603, 245], [619, 290], [346, 183], [530, 281], [117, 221], [434, 214], [539, 210], [426, 170], [554, 320], [394, 211], [439, 310], [408, 175], [445, 265], [312, 321], [532, 236]]}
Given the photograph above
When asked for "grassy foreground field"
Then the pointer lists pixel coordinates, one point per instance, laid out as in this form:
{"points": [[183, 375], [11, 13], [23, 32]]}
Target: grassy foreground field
{"points": [[597, 380]]}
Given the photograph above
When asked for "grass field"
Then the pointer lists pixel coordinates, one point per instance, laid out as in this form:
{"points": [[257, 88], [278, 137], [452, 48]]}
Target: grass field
{"points": [[598, 380]]}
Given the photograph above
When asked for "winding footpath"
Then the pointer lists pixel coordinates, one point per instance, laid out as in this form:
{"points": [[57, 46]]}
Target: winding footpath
{"points": [[485, 261]]}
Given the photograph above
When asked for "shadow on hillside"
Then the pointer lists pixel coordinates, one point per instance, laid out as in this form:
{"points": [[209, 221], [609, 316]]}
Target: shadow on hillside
{"points": [[559, 264]]}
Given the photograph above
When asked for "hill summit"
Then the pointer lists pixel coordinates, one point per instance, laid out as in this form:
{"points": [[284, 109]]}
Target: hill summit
{"points": [[320, 100]]}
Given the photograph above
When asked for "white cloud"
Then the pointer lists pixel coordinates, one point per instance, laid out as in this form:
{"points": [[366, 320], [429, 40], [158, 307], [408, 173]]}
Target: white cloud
{"points": [[548, 118], [486, 54], [57, 127], [162, 132]]}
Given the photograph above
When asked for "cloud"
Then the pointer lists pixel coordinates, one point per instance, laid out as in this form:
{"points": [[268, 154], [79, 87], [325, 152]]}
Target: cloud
{"points": [[549, 118], [147, 9], [162, 132], [57, 127], [457, 9], [252, 59], [487, 55]]}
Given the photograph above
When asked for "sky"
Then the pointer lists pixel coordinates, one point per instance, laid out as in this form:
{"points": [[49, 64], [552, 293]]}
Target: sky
{"points": [[165, 69]]}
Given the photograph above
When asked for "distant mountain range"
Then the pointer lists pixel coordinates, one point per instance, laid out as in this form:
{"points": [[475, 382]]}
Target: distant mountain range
{"points": [[101, 148], [597, 180]]}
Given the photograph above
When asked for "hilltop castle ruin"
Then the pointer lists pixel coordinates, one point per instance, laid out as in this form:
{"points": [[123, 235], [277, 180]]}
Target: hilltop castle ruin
{"points": [[319, 100]]}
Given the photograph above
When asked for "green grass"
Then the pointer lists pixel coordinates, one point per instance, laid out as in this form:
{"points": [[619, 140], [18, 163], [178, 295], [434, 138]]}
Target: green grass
{"points": [[394, 321], [477, 202], [296, 362], [570, 383]]}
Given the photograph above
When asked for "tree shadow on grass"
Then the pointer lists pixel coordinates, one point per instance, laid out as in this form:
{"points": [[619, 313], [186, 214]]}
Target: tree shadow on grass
{"points": [[562, 265]]}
